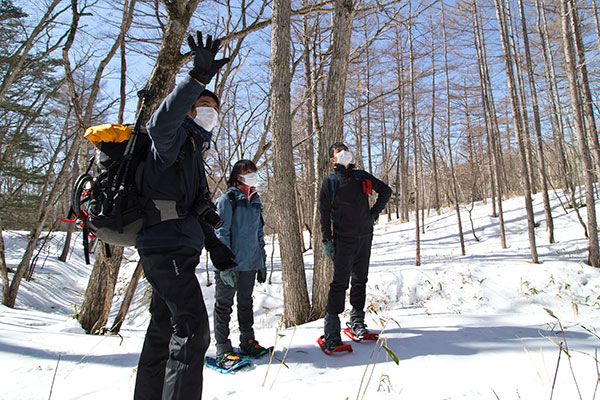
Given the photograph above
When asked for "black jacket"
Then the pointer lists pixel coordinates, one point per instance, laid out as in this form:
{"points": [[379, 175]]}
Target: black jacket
{"points": [[348, 208], [174, 177]]}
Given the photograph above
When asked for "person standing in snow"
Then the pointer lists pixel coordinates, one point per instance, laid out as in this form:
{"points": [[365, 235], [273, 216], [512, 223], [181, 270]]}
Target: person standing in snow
{"points": [[242, 231], [179, 220], [347, 227]]}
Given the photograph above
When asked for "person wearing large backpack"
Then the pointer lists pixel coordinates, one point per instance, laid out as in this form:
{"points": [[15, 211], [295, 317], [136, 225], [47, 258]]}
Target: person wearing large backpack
{"points": [[241, 210], [178, 222], [347, 227]]}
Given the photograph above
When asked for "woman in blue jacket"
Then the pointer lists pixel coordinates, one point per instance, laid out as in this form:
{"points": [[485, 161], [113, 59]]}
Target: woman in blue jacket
{"points": [[242, 231]]}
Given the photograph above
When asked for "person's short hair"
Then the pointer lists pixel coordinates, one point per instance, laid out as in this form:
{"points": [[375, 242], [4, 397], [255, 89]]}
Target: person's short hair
{"points": [[236, 171], [212, 95], [335, 146]]}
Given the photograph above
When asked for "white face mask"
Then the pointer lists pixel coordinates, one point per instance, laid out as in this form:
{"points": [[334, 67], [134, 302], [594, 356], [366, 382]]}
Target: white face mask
{"points": [[250, 179], [206, 117], [344, 158]]}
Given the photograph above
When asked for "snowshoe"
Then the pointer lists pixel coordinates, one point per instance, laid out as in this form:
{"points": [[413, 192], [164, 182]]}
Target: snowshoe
{"points": [[252, 349], [334, 346], [227, 363]]}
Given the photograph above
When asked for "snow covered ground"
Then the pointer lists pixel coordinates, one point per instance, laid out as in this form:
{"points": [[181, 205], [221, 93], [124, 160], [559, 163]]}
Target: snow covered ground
{"points": [[488, 325]]}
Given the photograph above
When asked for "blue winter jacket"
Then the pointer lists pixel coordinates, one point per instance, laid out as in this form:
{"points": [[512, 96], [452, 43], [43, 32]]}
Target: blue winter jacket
{"points": [[242, 230]]}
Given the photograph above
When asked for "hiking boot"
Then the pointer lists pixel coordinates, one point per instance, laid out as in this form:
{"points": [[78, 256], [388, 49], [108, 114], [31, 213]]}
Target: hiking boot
{"points": [[358, 329], [357, 323], [333, 341], [228, 360], [251, 348]]}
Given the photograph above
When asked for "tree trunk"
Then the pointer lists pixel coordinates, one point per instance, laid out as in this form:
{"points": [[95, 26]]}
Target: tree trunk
{"points": [[310, 129], [538, 127], [333, 122], [401, 178], [490, 117], [578, 119], [448, 133], [3, 266], [556, 117], [518, 123], [100, 290], [120, 318], [436, 190], [413, 121], [368, 92], [295, 292], [584, 84], [514, 46]]}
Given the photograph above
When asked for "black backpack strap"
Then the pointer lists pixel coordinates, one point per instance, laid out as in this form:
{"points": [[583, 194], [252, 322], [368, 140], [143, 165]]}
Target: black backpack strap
{"points": [[232, 200], [332, 184]]}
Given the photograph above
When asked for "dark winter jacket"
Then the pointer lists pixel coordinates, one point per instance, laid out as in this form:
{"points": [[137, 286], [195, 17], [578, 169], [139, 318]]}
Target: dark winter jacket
{"points": [[174, 177], [349, 212], [242, 229]]}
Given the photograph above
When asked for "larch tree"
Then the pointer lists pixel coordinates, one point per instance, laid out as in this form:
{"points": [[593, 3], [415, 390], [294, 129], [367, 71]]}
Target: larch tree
{"points": [[295, 292]]}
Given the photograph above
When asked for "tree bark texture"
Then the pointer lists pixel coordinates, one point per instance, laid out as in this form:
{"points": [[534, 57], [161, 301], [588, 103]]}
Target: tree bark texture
{"points": [[333, 122], [120, 318], [100, 291], [578, 120], [295, 292], [518, 125]]}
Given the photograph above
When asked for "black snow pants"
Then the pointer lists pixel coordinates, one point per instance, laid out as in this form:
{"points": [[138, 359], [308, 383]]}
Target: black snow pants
{"points": [[351, 260], [172, 358]]}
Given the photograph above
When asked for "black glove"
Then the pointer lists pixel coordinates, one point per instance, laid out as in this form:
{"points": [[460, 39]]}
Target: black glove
{"points": [[374, 217], [220, 255], [261, 275], [205, 65]]}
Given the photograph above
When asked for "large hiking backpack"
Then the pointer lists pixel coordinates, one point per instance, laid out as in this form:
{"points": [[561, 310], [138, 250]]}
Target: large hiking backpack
{"points": [[106, 201], [107, 198]]}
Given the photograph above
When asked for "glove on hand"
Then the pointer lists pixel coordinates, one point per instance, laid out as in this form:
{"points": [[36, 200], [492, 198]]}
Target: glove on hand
{"points": [[221, 256], [329, 249], [229, 277], [261, 275], [374, 218], [205, 65]]}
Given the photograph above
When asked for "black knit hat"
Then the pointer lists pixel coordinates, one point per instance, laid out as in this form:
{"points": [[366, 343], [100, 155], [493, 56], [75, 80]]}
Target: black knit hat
{"points": [[210, 94]]}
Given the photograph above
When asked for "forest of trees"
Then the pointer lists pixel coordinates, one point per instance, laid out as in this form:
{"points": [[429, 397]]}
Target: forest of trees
{"points": [[449, 102]]}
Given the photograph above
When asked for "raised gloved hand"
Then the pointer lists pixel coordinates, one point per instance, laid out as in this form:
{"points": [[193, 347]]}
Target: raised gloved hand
{"points": [[205, 65], [229, 277], [220, 255], [329, 249], [261, 275]]}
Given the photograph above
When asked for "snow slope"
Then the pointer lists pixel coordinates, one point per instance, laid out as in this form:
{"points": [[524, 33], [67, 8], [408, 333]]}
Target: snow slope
{"points": [[488, 325]]}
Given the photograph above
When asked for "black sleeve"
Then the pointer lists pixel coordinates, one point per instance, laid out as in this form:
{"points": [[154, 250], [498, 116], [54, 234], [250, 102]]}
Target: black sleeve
{"points": [[210, 238], [384, 192], [325, 210]]}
